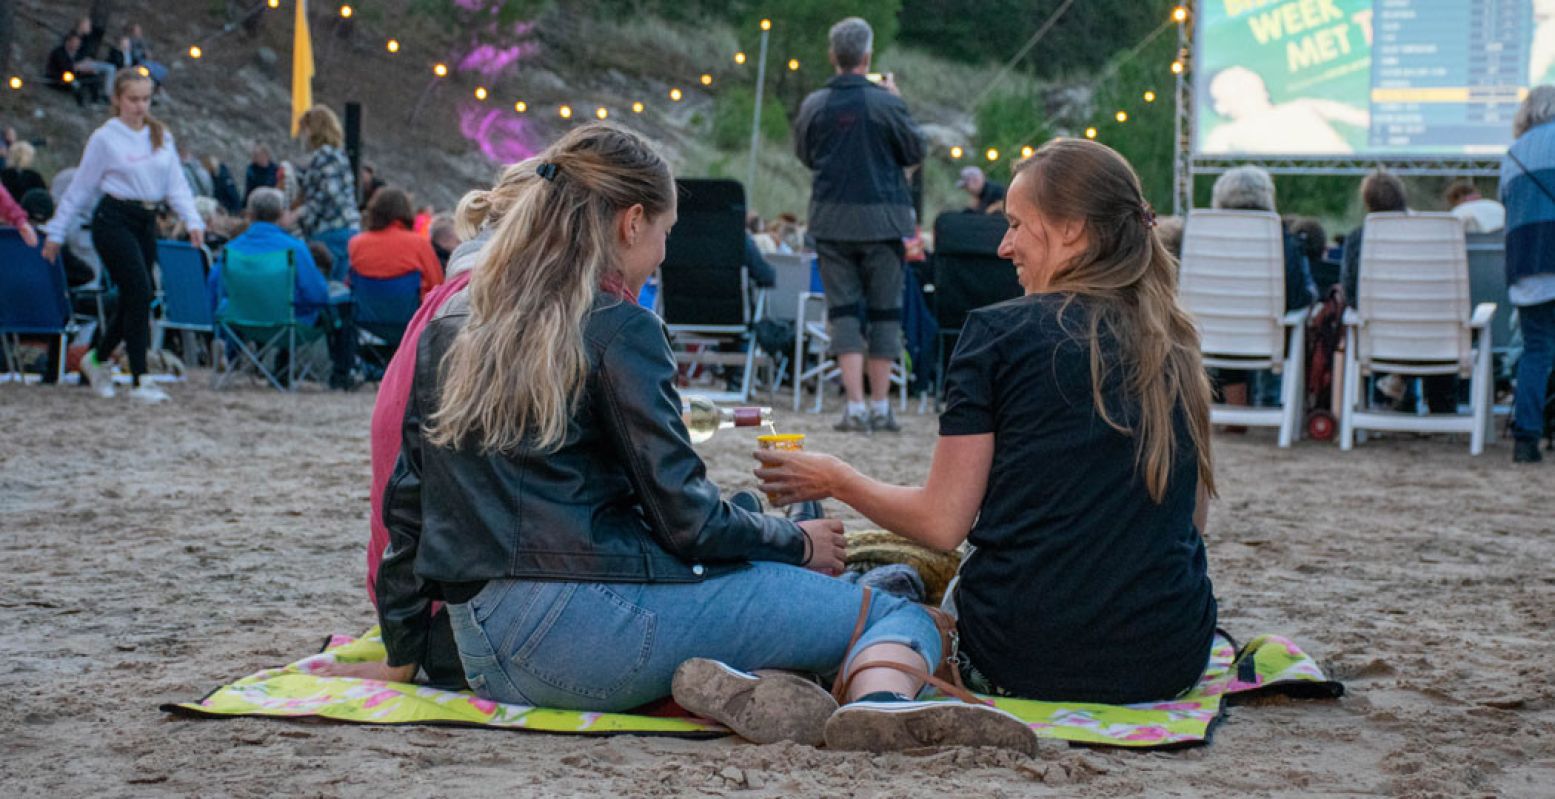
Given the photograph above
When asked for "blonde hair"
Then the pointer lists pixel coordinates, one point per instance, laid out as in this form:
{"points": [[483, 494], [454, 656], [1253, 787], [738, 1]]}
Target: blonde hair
{"points": [[20, 155], [483, 207], [123, 78], [319, 126], [1130, 283], [515, 372]]}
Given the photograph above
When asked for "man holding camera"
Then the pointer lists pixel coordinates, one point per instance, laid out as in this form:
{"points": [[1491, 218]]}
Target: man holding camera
{"points": [[858, 139]]}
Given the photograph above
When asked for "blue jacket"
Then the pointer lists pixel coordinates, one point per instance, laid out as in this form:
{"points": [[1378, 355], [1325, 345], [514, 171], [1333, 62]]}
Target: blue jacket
{"points": [[857, 138], [262, 237], [1530, 212]]}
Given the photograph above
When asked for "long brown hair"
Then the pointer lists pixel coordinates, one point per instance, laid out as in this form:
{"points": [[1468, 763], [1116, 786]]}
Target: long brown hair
{"points": [[390, 204], [127, 76], [515, 372], [1130, 283], [319, 126]]}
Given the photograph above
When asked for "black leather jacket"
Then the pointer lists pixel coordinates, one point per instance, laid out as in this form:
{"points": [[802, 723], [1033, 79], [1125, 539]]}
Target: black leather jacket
{"points": [[624, 499]]}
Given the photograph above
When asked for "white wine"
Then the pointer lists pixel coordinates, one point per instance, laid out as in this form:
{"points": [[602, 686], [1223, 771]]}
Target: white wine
{"points": [[703, 418]]}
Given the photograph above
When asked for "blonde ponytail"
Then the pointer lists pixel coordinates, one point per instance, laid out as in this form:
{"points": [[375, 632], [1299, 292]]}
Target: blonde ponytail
{"points": [[120, 80]]}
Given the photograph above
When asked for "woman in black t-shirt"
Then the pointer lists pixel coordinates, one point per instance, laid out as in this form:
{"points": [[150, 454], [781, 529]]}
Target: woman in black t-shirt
{"points": [[1074, 453]]}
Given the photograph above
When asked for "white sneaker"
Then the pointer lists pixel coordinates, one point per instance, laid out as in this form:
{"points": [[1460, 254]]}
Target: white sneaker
{"points": [[149, 394], [98, 375]]}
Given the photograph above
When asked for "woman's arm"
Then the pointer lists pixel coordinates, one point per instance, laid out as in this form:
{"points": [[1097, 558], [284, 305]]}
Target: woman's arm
{"points": [[938, 515], [82, 189], [1201, 512]]}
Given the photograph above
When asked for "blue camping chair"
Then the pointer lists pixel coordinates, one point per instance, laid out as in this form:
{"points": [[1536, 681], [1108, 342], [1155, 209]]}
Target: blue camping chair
{"points": [[259, 319], [186, 307], [33, 298], [382, 309]]}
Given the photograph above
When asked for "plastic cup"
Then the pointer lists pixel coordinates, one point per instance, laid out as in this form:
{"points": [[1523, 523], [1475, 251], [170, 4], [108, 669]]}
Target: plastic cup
{"points": [[780, 441]]}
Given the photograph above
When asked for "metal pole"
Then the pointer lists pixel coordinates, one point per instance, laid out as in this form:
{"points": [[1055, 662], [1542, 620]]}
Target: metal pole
{"points": [[1182, 156], [761, 82]]}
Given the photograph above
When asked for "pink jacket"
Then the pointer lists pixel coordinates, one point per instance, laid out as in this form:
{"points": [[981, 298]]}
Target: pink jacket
{"points": [[11, 213]]}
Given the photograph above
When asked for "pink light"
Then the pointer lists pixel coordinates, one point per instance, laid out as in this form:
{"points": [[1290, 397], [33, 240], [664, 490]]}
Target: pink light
{"points": [[491, 61], [502, 135]]}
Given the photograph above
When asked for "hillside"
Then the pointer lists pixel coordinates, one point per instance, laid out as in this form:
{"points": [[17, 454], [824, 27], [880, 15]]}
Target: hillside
{"points": [[432, 135]]}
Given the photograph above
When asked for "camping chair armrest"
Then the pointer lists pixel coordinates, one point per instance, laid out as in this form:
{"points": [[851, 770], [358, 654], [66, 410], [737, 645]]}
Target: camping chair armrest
{"points": [[1483, 313], [1297, 317], [1351, 318]]}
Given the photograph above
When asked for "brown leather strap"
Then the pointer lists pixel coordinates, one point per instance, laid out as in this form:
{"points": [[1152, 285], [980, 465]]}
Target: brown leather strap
{"points": [[943, 686], [840, 686]]}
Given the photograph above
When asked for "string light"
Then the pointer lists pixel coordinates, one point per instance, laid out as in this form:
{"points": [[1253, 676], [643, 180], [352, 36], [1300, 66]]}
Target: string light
{"points": [[1179, 14], [520, 106], [68, 77], [1121, 116], [1090, 133], [707, 79], [637, 107], [956, 152], [440, 69], [273, 3], [675, 95], [1149, 97], [480, 93], [766, 24], [16, 82], [793, 65], [346, 12], [992, 154], [393, 45], [565, 112], [602, 112], [143, 72], [1176, 67], [1027, 151], [195, 51], [739, 58]]}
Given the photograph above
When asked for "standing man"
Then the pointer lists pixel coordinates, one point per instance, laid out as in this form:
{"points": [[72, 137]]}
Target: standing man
{"points": [[857, 138], [987, 195]]}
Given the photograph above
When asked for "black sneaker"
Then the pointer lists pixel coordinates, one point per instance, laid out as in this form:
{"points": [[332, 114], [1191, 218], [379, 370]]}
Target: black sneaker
{"points": [[852, 423], [1526, 450], [884, 422], [747, 500]]}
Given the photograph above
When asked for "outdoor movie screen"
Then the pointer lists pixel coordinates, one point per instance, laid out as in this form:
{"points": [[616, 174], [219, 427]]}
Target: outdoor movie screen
{"points": [[1366, 78]]}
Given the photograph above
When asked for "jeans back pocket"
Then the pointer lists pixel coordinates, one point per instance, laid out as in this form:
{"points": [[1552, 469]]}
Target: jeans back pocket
{"points": [[589, 643]]}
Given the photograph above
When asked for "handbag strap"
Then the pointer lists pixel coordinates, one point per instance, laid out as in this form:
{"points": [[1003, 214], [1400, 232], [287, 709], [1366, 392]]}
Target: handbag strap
{"points": [[1530, 174], [946, 626]]}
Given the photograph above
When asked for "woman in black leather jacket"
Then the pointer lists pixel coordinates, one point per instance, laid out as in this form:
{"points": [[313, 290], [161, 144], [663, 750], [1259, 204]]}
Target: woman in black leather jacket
{"points": [[548, 492]]}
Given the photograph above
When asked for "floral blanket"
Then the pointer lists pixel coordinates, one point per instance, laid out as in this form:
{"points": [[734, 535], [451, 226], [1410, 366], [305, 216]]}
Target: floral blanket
{"points": [[1267, 664]]}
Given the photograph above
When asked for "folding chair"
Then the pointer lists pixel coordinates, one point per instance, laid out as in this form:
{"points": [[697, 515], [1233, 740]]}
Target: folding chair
{"points": [[1413, 319], [705, 294], [259, 318], [382, 308], [811, 340], [33, 300], [186, 305], [1232, 281], [968, 274]]}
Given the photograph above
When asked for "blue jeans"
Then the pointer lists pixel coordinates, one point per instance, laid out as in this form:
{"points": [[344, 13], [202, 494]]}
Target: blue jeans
{"points": [[1533, 371], [338, 242], [615, 646]]}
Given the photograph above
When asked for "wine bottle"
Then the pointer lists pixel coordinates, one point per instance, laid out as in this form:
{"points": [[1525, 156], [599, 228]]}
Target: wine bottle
{"points": [[703, 418]]}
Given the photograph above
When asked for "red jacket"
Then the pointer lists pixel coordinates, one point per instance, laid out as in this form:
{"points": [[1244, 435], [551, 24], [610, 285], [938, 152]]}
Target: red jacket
{"points": [[395, 251]]}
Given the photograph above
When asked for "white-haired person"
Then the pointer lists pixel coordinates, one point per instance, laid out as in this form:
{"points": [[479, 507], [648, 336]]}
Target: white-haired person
{"points": [[1528, 192], [132, 162], [1251, 188]]}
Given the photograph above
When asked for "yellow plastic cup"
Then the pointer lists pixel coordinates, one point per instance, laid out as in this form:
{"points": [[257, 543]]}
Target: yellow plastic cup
{"points": [[783, 441]]}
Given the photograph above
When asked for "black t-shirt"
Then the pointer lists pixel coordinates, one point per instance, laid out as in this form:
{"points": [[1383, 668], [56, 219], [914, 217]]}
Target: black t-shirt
{"points": [[992, 193], [1081, 587]]}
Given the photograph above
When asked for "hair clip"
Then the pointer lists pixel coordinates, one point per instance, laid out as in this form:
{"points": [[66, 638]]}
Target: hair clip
{"points": [[1147, 215], [546, 170]]}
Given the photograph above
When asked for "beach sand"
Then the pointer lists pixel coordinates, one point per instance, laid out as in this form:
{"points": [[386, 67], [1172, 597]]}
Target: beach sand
{"points": [[149, 554]]}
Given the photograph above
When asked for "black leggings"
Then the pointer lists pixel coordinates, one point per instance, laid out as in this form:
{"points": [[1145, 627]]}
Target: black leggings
{"points": [[125, 235]]}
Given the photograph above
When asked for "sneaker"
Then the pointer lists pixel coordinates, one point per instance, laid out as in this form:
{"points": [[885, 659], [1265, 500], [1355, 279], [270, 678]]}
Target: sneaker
{"points": [[149, 394], [746, 500], [897, 726], [1526, 450], [852, 423], [98, 375], [884, 422], [805, 511], [762, 708]]}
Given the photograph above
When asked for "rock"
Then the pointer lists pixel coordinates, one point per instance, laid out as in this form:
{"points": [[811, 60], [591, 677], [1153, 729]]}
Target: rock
{"points": [[733, 774], [267, 61], [754, 780], [1056, 775]]}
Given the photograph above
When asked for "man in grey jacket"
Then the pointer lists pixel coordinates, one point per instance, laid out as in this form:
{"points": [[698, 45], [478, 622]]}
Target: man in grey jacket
{"points": [[857, 138]]}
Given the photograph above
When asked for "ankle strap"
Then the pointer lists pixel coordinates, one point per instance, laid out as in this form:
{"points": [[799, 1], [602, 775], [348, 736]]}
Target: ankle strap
{"points": [[949, 644], [840, 686], [943, 686]]}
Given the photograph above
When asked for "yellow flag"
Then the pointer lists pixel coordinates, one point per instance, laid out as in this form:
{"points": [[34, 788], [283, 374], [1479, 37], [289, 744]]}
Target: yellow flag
{"points": [[302, 65]]}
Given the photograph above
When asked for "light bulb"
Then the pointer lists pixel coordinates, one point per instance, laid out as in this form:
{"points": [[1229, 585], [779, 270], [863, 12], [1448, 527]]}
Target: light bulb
{"points": [[956, 152], [16, 82], [793, 65], [739, 58], [602, 112], [992, 154], [520, 106], [195, 51], [766, 24], [480, 93], [1090, 133], [675, 95], [1027, 151], [1179, 14], [440, 70], [565, 112], [346, 12], [1121, 116], [393, 45], [707, 79], [637, 107], [1149, 97]]}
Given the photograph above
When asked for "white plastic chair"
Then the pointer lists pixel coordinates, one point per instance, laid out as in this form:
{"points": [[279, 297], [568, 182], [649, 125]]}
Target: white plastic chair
{"points": [[1232, 281], [1413, 319], [812, 340]]}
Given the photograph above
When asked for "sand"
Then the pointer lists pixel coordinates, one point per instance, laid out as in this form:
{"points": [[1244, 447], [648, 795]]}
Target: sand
{"points": [[148, 554]]}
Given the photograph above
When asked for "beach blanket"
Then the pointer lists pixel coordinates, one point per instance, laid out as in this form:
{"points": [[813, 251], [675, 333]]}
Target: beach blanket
{"points": [[1267, 664]]}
